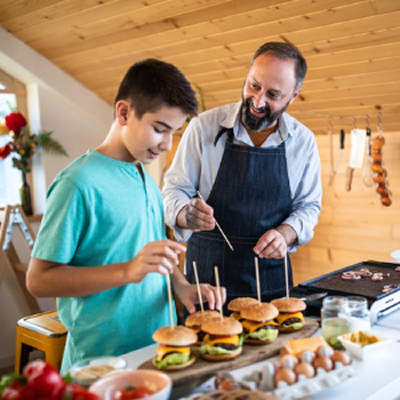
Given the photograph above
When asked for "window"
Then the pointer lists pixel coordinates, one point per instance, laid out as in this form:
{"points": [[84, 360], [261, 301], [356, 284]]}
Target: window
{"points": [[12, 93]]}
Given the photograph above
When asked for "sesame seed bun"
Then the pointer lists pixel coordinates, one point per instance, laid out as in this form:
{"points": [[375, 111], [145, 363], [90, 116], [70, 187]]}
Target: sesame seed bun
{"points": [[196, 319], [222, 326], [241, 302], [289, 305], [260, 312], [175, 336]]}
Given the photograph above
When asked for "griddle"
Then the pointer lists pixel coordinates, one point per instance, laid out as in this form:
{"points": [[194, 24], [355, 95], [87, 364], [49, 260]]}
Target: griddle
{"points": [[379, 303]]}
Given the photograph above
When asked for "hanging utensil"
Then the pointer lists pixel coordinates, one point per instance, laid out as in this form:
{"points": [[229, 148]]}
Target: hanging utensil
{"points": [[367, 174], [341, 164], [332, 162], [357, 152]]}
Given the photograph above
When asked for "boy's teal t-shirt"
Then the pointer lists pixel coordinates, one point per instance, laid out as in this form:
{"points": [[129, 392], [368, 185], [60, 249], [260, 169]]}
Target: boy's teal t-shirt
{"points": [[101, 211]]}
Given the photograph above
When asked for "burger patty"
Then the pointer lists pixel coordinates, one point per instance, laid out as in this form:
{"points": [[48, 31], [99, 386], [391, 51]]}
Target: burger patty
{"points": [[293, 320], [168, 354], [226, 346]]}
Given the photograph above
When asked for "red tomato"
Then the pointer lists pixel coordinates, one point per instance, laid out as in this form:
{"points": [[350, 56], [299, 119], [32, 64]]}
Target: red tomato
{"points": [[138, 392], [18, 391], [76, 392], [10, 393], [44, 379]]}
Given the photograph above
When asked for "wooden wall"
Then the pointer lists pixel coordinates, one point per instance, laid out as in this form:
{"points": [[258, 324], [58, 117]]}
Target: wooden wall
{"points": [[353, 226]]}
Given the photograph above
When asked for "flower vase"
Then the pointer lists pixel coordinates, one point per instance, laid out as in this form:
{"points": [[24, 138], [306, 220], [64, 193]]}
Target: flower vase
{"points": [[25, 193]]}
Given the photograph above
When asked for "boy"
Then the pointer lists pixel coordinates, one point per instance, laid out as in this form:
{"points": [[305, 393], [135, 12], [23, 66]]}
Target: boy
{"points": [[101, 249]]}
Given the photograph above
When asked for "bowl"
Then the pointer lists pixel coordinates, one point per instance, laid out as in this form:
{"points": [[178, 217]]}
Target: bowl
{"points": [[156, 381], [362, 344], [89, 370]]}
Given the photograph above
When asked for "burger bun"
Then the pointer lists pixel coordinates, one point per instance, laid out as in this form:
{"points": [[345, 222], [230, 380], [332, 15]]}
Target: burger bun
{"points": [[175, 336], [241, 302], [289, 304], [225, 326]]}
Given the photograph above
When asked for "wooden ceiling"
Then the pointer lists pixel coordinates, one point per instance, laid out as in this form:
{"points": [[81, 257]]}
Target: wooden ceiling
{"points": [[352, 47]]}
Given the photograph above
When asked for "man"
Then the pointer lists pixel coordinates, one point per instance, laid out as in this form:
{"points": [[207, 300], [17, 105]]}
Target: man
{"points": [[258, 170]]}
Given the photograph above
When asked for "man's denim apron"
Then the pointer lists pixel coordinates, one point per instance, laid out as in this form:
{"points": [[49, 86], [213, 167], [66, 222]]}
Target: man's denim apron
{"points": [[250, 195]]}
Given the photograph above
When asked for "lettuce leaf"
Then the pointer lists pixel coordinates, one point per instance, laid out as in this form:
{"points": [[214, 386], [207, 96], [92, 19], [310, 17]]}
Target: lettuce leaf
{"points": [[264, 334], [214, 350], [297, 325], [172, 359]]}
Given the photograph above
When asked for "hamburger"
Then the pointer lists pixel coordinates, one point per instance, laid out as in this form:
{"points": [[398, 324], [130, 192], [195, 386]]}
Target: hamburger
{"points": [[236, 305], [259, 327], [195, 320], [222, 340], [174, 351], [290, 316]]}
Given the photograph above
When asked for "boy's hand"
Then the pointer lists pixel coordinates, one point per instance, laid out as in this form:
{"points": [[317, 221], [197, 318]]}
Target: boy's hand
{"points": [[188, 295], [197, 216], [160, 257]]}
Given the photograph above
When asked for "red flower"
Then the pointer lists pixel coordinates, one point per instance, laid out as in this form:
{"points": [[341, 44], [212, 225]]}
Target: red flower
{"points": [[5, 151], [15, 121]]}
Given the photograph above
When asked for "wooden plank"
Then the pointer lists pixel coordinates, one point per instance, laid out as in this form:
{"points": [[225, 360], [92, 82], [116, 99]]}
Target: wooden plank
{"points": [[249, 39], [179, 24], [202, 369], [108, 17]]}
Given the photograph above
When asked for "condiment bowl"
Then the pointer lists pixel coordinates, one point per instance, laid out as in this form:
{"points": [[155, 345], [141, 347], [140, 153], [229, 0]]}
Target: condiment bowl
{"points": [[89, 370], [156, 381]]}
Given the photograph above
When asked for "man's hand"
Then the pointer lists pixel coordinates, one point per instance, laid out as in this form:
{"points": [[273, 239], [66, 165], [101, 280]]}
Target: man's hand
{"points": [[197, 216], [274, 243]]}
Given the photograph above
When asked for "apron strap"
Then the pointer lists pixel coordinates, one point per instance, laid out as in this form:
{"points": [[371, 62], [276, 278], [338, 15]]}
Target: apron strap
{"points": [[221, 132]]}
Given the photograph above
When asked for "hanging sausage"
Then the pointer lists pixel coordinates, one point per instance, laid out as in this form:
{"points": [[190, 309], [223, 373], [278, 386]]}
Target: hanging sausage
{"points": [[377, 166]]}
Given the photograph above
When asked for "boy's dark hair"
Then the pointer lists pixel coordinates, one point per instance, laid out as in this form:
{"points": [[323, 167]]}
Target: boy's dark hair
{"points": [[149, 84], [285, 51]]}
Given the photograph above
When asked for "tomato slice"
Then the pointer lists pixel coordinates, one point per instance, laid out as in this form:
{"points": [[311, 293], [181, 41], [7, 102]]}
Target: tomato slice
{"points": [[138, 392]]}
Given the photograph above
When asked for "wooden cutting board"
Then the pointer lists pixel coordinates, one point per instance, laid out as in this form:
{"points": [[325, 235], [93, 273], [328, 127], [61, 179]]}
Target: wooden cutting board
{"points": [[202, 370]]}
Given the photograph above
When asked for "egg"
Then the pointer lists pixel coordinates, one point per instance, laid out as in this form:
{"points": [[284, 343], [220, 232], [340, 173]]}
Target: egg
{"points": [[285, 375], [323, 362], [342, 357], [307, 356], [305, 369], [288, 361], [325, 350]]}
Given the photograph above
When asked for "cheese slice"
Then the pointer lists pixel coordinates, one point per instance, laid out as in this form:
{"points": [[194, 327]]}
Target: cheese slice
{"points": [[236, 315], [229, 340], [252, 326], [281, 318], [297, 346], [164, 350]]}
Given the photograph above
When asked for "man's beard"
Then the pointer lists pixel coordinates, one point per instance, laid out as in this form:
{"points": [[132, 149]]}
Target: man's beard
{"points": [[258, 124]]}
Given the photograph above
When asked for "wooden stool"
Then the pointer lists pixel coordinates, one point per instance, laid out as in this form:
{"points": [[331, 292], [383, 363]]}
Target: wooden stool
{"points": [[43, 332]]}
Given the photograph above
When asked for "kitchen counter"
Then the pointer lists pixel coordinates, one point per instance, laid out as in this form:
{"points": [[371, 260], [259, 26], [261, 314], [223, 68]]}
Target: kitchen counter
{"points": [[376, 378]]}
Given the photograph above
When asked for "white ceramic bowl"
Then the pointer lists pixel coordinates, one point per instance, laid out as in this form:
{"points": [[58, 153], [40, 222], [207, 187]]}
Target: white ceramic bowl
{"points": [[363, 352], [157, 381], [89, 370]]}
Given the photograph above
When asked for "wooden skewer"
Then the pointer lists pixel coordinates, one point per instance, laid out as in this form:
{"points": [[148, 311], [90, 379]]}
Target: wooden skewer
{"points": [[218, 226], [286, 276], [170, 301], [198, 286], [217, 284], [257, 279]]}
